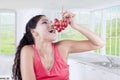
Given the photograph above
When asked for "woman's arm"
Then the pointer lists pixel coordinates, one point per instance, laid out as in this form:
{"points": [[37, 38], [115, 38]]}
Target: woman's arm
{"points": [[26, 63], [93, 42]]}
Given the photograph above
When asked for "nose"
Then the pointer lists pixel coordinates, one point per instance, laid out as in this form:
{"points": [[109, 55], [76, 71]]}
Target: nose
{"points": [[51, 24]]}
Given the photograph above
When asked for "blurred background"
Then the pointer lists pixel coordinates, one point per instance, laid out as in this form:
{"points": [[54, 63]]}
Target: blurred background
{"points": [[100, 16]]}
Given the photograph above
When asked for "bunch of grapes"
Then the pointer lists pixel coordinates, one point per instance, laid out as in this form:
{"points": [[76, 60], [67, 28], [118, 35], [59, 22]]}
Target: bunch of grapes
{"points": [[60, 25]]}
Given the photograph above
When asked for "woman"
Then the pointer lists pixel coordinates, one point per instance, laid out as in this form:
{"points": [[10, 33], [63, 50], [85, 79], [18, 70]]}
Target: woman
{"points": [[38, 58]]}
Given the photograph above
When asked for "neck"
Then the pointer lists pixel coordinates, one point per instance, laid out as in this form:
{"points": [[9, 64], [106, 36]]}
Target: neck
{"points": [[44, 47]]}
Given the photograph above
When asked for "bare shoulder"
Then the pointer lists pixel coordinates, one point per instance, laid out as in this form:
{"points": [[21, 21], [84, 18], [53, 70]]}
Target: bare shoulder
{"points": [[64, 45], [64, 42], [27, 51], [27, 48], [26, 63]]}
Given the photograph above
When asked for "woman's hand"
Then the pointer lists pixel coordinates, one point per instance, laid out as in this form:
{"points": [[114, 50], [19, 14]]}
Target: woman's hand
{"points": [[70, 17]]}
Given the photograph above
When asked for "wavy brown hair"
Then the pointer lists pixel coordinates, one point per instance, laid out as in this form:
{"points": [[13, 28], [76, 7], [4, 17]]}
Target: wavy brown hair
{"points": [[26, 40]]}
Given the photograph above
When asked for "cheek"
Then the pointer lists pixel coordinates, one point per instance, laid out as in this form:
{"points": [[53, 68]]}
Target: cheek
{"points": [[42, 30]]}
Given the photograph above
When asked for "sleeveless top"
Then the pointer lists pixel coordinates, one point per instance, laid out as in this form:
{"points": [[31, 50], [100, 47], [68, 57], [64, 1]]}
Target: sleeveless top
{"points": [[58, 71]]}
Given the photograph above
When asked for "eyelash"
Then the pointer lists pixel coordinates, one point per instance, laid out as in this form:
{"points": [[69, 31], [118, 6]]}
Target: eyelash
{"points": [[44, 22]]}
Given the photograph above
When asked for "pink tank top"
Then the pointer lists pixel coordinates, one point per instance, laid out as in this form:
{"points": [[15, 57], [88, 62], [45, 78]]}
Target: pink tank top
{"points": [[58, 71]]}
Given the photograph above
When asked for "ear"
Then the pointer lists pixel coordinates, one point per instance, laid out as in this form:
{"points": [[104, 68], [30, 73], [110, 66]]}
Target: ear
{"points": [[34, 33]]}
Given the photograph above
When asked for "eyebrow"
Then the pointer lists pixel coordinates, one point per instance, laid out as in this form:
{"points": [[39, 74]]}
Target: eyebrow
{"points": [[46, 20]]}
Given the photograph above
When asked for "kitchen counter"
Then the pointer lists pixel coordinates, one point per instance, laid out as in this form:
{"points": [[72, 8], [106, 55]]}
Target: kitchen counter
{"points": [[87, 59]]}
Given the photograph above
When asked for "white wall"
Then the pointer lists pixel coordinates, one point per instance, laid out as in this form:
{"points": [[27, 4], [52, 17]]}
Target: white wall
{"points": [[23, 16], [51, 4]]}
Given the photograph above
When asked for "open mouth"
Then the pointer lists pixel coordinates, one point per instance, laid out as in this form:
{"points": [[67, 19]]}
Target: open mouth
{"points": [[51, 31]]}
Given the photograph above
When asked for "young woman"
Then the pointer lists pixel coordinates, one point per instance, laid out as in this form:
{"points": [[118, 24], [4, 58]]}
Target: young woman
{"points": [[38, 58]]}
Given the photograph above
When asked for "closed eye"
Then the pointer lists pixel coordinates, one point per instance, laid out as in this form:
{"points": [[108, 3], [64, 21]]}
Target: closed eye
{"points": [[44, 22]]}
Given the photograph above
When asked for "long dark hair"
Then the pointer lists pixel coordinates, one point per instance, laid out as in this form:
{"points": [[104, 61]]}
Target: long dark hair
{"points": [[26, 40]]}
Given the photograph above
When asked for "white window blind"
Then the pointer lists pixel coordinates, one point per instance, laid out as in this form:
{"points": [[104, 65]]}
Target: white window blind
{"points": [[7, 32], [105, 23]]}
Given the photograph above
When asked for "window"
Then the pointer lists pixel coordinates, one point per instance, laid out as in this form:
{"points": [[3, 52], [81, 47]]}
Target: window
{"points": [[105, 23], [113, 31], [7, 32], [97, 17]]}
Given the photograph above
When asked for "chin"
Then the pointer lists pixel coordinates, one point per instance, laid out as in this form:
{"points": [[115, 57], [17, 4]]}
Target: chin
{"points": [[52, 39]]}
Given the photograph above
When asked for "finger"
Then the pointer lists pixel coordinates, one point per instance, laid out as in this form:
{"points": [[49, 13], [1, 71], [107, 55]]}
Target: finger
{"points": [[71, 14], [68, 15], [64, 12]]}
